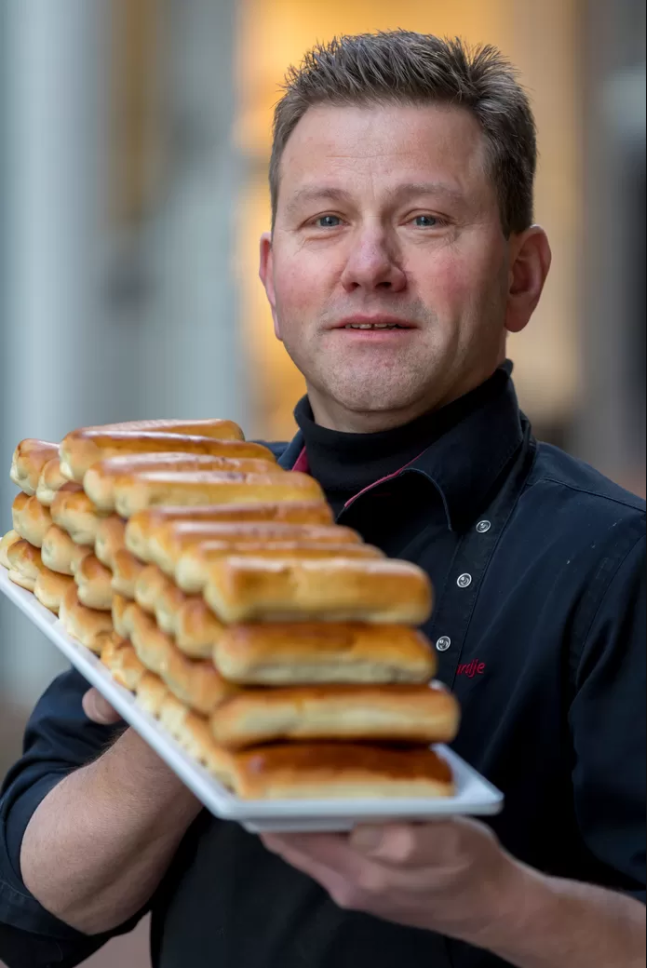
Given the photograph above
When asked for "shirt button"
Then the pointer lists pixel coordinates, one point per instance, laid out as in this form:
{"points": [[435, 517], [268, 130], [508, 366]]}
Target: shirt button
{"points": [[465, 581], [483, 527], [444, 644]]}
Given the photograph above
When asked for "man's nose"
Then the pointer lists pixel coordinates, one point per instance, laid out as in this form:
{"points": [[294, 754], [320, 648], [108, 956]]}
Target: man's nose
{"points": [[373, 263]]}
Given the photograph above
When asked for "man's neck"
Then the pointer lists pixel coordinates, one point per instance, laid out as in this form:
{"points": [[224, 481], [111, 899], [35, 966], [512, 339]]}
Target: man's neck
{"points": [[346, 463], [333, 415]]}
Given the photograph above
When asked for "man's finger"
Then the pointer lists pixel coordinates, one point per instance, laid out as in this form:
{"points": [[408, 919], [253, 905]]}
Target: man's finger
{"points": [[403, 845], [329, 850], [410, 845], [98, 710]]}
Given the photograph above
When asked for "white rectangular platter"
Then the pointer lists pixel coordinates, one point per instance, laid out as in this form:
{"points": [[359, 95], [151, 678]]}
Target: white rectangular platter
{"points": [[475, 796]]}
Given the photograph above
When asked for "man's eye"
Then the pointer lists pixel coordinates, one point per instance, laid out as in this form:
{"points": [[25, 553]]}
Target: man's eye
{"points": [[328, 222], [427, 222]]}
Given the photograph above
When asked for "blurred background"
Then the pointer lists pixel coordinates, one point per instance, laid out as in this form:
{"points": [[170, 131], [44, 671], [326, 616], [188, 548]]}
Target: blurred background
{"points": [[134, 144]]}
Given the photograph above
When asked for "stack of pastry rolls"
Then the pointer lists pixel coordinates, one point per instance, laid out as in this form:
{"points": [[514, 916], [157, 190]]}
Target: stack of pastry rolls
{"points": [[51, 549], [278, 648], [36, 471]]}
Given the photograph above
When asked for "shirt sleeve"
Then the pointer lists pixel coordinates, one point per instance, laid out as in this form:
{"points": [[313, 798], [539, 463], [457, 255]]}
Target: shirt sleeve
{"points": [[59, 740], [608, 725]]}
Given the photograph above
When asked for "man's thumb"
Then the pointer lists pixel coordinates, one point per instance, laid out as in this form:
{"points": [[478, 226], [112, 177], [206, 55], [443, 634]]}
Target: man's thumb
{"points": [[98, 710]]}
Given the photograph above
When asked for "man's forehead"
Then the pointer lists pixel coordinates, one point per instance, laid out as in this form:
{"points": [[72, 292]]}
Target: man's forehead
{"points": [[329, 135], [342, 124], [411, 150]]}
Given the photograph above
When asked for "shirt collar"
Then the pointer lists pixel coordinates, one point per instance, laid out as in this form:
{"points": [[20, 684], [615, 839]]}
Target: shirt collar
{"points": [[467, 463], [464, 465]]}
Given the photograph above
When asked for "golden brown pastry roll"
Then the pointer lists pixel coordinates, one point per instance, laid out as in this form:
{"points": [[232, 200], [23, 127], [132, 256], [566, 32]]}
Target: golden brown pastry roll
{"points": [[195, 683], [210, 427], [153, 489], [94, 582], [173, 715], [20, 502], [51, 481], [194, 735], [109, 651], [111, 538], [121, 659], [381, 592], [61, 554], [340, 772], [151, 694], [122, 615], [100, 481], [9, 540], [51, 589], [31, 520], [29, 459], [207, 427], [151, 583], [193, 568], [91, 628], [84, 448], [170, 542], [130, 671], [311, 653], [381, 714], [169, 605], [126, 570], [197, 629], [73, 511], [25, 564], [143, 525], [21, 580], [160, 597], [153, 646]]}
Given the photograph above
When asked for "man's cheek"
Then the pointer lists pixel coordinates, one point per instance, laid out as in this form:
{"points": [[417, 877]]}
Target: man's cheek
{"points": [[444, 286], [301, 290]]}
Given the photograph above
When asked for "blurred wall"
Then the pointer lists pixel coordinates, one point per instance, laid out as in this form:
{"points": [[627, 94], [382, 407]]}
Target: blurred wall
{"points": [[116, 304], [118, 180], [609, 428]]}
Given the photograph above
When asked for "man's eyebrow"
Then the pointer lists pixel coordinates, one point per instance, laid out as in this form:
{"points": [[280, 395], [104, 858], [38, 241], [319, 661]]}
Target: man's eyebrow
{"points": [[428, 188], [316, 194], [330, 194]]}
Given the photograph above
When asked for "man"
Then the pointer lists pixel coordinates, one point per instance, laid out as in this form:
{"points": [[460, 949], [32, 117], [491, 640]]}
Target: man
{"points": [[403, 252]]}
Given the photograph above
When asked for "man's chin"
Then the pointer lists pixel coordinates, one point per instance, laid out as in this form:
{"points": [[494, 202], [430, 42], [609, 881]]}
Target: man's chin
{"points": [[359, 388], [374, 400]]}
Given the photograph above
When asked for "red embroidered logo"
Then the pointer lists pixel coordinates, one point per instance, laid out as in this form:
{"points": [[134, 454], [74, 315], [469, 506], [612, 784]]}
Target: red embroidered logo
{"points": [[472, 669]]}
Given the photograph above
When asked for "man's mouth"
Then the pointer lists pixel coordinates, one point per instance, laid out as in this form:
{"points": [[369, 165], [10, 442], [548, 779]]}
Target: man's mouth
{"points": [[376, 326], [374, 323]]}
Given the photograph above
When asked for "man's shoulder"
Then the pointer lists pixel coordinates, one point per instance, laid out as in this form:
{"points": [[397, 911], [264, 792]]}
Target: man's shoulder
{"points": [[575, 481], [568, 510], [278, 448]]}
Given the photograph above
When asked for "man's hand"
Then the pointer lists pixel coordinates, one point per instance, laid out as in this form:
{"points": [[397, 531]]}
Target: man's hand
{"points": [[455, 878], [97, 709]]}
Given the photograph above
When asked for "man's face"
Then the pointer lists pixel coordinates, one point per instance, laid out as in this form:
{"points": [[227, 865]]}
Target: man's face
{"points": [[388, 218]]}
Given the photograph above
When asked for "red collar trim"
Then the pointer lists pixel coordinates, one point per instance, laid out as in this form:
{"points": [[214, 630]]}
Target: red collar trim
{"points": [[302, 465]]}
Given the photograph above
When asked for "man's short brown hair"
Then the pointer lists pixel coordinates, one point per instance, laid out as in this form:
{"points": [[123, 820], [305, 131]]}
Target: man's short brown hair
{"points": [[410, 68]]}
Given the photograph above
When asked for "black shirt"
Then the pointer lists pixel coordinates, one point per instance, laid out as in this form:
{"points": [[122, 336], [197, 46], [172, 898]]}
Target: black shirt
{"points": [[539, 568]]}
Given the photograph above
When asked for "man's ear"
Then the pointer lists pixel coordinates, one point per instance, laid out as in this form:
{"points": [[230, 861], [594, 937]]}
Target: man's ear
{"points": [[266, 273], [531, 258]]}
